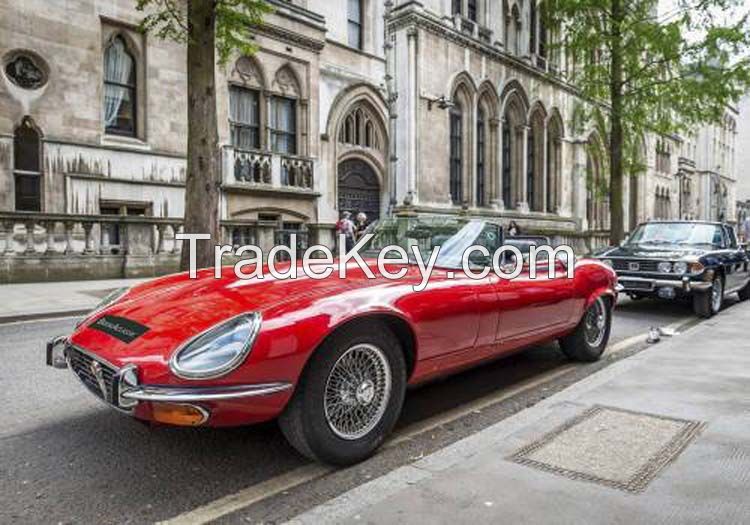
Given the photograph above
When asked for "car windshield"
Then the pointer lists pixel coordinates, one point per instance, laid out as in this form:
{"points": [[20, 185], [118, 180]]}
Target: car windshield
{"points": [[453, 236], [680, 233]]}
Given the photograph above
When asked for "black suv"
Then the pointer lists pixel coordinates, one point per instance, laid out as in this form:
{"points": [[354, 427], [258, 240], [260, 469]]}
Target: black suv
{"points": [[670, 259]]}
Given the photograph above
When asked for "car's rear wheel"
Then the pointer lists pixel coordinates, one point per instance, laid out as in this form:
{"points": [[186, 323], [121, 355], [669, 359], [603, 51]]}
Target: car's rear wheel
{"points": [[349, 397], [707, 304], [588, 341]]}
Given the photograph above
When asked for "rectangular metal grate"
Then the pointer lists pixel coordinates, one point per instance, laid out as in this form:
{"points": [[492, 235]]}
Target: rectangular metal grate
{"points": [[610, 446]]}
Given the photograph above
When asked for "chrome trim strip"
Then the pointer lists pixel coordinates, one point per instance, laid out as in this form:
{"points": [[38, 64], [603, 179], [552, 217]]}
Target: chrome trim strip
{"points": [[168, 394], [660, 283]]}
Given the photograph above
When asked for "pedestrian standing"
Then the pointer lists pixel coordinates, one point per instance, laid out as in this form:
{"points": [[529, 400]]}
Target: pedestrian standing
{"points": [[360, 226], [746, 229], [345, 227]]}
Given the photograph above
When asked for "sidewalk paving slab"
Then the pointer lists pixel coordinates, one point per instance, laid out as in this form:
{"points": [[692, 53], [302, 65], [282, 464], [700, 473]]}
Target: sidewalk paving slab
{"points": [[701, 376], [39, 300]]}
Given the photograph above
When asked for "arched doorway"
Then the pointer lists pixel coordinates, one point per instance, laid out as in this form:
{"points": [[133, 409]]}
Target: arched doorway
{"points": [[359, 189]]}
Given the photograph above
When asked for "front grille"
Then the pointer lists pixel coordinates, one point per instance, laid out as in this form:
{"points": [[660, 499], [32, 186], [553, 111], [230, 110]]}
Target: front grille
{"points": [[83, 366], [643, 265]]}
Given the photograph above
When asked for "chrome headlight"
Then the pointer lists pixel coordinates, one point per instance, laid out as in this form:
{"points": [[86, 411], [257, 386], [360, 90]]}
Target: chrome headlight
{"points": [[217, 351], [680, 268], [665, 267], [609, 263]]}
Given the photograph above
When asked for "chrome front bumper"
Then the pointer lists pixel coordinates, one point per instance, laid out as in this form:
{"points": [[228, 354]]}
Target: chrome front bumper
{"points": [[645, 284], [127, 392]]}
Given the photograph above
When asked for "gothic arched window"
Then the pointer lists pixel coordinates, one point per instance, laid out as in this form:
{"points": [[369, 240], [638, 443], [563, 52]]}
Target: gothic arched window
{"points": [[456, 153], [120, 89]]}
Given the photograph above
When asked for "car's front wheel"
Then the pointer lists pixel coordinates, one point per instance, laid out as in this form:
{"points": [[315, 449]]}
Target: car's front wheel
{"points": [[349, 397], [707, 304], [590, 338]]}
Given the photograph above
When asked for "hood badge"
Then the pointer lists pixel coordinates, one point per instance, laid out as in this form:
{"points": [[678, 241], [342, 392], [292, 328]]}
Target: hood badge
{"points": [[96, 371]]}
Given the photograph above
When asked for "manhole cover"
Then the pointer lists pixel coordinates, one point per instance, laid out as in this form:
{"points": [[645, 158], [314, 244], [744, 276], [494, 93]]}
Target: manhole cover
{"points": [[614, 447]]}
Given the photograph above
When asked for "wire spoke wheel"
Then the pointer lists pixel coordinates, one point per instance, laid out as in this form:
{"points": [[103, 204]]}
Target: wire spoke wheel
{"points": [[357, 391], [595, 323]]}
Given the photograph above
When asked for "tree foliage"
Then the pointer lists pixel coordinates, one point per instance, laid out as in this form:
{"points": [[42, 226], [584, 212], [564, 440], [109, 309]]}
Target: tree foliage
{"points": [[168, 20], [644, 71]]}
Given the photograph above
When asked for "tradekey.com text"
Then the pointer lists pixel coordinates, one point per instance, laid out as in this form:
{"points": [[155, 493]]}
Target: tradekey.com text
{"points": [[318, 262]]}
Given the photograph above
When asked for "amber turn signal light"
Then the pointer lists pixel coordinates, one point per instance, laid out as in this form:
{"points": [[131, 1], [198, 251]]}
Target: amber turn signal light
{"points": [[181, 415]]}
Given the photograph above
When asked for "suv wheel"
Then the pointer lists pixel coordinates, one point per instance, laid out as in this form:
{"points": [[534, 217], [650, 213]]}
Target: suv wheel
{"points": [[707, 304]]}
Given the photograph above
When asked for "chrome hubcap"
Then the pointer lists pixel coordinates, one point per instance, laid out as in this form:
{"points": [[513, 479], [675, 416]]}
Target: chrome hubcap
{"points": [[717, 292], [357, 391], [595, 323]]}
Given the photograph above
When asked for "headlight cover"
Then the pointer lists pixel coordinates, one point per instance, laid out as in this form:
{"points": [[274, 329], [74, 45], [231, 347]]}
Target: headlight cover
{"points": [[608, 262], [680, 268], [665, 267], [218, 350]]}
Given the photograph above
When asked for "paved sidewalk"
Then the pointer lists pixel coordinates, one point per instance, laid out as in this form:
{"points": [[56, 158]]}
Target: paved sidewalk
{"points": [[662, 437], [20, 302]]}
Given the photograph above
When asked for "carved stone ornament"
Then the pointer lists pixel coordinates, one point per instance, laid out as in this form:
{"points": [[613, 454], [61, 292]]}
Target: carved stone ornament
{"points": [[286, 82], [24, 72], [245, 68]]}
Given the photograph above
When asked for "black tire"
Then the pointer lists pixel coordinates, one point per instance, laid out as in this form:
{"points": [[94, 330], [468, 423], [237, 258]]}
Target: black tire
{"points": [[703, 303], [744, 293], [304, 421], [578, 346]]}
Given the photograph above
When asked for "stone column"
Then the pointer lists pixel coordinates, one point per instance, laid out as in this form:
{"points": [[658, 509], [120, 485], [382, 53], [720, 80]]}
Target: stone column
{"points": [[412, 39], [49, 227], [8, 228], [176, 247], [496, 173], [29, 248], [162, 230], [89, 239], [545, 169], [69, 248], [523, 205]]}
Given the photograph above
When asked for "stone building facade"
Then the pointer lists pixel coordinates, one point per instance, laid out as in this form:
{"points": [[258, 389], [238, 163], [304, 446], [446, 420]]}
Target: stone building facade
{"points": [[428, 107]]}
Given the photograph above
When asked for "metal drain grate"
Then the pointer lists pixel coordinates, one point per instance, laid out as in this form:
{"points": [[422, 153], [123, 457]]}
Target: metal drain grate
{"points": [[613, 447]]}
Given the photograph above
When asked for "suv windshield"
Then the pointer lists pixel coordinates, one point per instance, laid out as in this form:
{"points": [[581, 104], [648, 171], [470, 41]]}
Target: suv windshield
{"points": [[453, 236], [680, 233]]}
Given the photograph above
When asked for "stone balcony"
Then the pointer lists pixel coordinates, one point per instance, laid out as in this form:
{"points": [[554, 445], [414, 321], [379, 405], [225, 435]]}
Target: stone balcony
{"points": [[264, 170]]}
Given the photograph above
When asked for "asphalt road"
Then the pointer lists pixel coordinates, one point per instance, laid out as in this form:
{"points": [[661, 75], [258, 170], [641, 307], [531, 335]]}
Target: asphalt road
{"points": [[67, 458]]}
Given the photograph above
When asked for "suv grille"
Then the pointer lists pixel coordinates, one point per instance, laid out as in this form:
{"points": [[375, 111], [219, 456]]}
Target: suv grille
{"points": [[643, 266], [85, 367]]}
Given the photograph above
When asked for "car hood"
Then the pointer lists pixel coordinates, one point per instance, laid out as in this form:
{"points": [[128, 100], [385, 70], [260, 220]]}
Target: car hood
{"points": [[653, 252], [176, 308]]}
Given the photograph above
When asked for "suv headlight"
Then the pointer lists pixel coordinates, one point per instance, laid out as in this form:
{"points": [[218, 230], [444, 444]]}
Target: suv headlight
{"points": [[680, 268], [665, 267], [608, 262], [217, 351]]}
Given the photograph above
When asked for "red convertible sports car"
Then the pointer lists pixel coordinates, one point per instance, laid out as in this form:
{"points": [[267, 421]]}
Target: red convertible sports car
{"points": [[330, 358]]}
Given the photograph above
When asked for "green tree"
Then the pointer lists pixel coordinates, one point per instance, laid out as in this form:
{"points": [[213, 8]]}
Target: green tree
{"points": [[643, 71], [212, 30]]}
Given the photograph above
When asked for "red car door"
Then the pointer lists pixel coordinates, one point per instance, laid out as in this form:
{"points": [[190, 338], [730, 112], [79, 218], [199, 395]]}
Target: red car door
{"points": [[450, 316], [533, 309]]}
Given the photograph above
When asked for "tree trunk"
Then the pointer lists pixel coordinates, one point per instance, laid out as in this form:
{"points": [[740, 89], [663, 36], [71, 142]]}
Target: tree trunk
{"points": [[203, 182], [617, 216]]}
